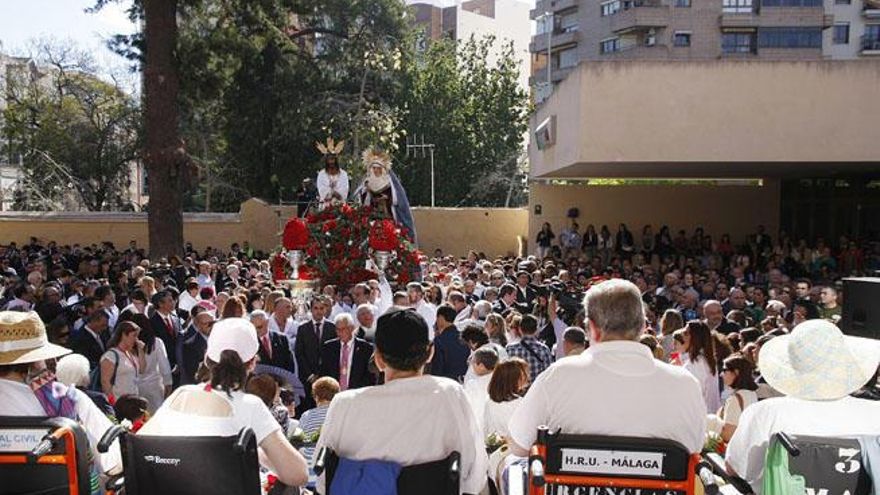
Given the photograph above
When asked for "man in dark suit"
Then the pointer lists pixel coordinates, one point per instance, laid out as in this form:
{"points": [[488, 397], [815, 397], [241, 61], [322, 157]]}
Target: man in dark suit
{"points": [[167, 327], [274, 348], [507, 300], [91, 342], [310, 336], [450, 353], [193, 345], [525, 293], [346, 358]]}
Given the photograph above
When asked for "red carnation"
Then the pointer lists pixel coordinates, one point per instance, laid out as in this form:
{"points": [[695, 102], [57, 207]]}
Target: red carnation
{"points": [[383, 236], [296, 234]]}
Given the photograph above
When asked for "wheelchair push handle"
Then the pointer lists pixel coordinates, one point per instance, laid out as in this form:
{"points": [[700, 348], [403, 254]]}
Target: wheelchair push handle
{"points": [[788, 444], [707, 478], [109, 437], [47, 444]]}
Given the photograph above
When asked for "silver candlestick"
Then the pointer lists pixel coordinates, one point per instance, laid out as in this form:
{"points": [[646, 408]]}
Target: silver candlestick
{"points": [[382, 258]]}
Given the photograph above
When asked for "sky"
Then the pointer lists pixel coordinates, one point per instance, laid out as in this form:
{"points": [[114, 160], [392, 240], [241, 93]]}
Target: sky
{"points": [[64, 20]]}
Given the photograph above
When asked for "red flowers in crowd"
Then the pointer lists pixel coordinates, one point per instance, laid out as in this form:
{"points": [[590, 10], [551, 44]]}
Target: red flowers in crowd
{"points": [[384, 236], [296, 235], [337, 242]]}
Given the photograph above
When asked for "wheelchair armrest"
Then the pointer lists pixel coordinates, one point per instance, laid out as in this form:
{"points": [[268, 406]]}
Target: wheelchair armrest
{"points": [[115, 484], [788, 444], [244, 439], [719, 468], [109, 437], [704, 473], [320, 460], [536, 471]]}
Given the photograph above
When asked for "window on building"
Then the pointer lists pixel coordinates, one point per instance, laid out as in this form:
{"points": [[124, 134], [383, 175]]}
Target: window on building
{"points": [[681, 39], [791, 3], [610, 45], [789, 37], [738, 42], [841, 33], [737, 6], [567, 58], [609, 8], [683, 3], [842, 2], [566, 22]]}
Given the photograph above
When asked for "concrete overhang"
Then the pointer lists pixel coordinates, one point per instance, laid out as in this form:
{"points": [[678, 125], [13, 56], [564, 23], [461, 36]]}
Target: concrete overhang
{"points": [[711, 119]]}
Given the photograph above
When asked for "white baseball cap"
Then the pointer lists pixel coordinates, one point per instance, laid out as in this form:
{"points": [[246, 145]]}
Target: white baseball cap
{"points": [[236, 334]]}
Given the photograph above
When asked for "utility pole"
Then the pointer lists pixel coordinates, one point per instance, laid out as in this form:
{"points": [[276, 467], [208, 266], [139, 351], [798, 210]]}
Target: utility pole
{"points": [[416, 148]]}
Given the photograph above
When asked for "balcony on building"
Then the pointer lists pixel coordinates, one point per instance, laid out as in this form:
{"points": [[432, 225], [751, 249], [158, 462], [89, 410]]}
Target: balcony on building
{"points": [[871, 44], [755, 13], [565, 31], [871, 9], [553, 6], [637, 15]]}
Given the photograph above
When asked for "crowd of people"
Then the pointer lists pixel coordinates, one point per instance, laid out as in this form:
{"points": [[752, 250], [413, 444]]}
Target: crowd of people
{"points": [[680, 337]]}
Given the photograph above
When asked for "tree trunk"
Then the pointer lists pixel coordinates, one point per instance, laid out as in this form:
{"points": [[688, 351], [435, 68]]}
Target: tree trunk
{"points": [[164, 155]]}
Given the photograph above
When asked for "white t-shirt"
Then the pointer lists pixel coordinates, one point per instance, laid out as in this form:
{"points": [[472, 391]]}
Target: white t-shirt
{"points": [[496, 416], [477, 391], [614, 388], [19, 400], [708, 382], [408, 421], [247, 411], [748, 447]]}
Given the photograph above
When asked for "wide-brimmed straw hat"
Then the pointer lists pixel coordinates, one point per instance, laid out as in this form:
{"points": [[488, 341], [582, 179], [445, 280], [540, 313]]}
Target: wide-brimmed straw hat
{"points": [[23, 339], [818, 362]]}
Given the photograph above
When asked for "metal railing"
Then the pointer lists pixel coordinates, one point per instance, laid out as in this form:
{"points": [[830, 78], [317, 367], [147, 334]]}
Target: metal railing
{"points": [[870, 42]]}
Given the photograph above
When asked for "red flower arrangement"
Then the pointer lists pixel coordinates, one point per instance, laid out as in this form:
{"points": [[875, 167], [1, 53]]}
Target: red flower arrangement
{"points": [[337, 247], [384, 236], [296, 235]]}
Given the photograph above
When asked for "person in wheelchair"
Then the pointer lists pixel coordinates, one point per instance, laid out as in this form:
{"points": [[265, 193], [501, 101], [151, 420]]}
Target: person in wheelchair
{"points": [[220, 407], [412, 418], [817, 367], [27, 388], [615, 387]]}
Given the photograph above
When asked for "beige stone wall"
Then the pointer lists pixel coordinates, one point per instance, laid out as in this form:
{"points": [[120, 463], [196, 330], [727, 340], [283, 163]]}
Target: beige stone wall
{"points": [[735, 210], [494, 231]]}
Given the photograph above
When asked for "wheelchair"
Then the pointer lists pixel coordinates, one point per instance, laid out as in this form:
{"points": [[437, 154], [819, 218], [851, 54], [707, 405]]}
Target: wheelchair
{"points": [[567, 464], [441, 477], [43, 456], [814, 465], [185, 465]]}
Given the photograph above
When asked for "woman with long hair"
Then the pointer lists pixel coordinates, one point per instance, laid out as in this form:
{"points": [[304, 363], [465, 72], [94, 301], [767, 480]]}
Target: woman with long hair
{"points": [[154, 381], [220, 407], [544, 241], [669, 323], [123, 362], [496, 329], [700, 360], [738, 374]]}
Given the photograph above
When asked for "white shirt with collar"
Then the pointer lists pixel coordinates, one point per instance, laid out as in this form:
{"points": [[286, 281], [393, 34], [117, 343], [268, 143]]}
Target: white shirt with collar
{"points": [[582, 395], [429, 312], [387, 422], [112, 315], [19, 400], [289, 330], [843, 417]]}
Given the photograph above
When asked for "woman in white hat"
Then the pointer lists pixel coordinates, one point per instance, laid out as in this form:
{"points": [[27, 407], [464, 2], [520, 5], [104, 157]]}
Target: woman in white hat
{"points": [[220, 407], [817, 367], [27, 388]]}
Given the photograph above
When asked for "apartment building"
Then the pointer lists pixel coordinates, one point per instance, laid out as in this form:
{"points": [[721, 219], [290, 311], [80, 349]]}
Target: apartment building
{"points": [[594, 30], [507, 20]]}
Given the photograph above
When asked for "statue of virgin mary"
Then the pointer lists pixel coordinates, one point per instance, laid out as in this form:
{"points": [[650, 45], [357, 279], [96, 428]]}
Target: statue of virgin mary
{"points": [[382, 190]]}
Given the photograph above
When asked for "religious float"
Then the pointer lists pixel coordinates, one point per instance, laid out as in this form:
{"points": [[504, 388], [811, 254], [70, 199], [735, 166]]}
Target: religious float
{"points": [[342, 243]]}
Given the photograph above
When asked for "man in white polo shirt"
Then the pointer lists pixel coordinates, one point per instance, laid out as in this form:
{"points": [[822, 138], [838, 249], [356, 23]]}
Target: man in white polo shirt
{"points": [[615, 387]]}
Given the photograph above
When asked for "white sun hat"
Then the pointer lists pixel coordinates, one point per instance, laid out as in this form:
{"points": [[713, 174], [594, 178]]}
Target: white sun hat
{"points": [[236, 334], [818, 362]]}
